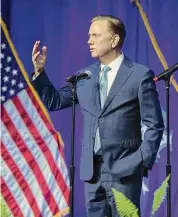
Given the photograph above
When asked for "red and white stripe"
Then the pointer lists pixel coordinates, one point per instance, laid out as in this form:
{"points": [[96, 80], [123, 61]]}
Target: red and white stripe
{"points": [[34, 175]]}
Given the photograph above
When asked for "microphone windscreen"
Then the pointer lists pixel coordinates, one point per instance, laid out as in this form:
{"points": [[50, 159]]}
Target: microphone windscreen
{"points": [[88, 73]]}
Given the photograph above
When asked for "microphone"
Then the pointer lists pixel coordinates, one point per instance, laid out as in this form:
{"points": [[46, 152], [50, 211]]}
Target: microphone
{"points": [[166, 74], [79, 76]]}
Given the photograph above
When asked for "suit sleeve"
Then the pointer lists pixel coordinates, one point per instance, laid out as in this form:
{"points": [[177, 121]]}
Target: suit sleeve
{"points": [[151, 117], [52, 98]]}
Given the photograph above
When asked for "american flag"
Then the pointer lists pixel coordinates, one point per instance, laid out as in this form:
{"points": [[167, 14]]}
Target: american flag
{"points": [[34, 177]]}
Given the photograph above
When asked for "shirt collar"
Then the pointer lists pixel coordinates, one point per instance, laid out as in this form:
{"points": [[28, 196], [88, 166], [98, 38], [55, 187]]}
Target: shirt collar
{"points": [[115, 63]]}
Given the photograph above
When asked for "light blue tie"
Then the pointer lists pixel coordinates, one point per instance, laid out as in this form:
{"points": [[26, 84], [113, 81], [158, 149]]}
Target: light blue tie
{"points": [[103, 95]]}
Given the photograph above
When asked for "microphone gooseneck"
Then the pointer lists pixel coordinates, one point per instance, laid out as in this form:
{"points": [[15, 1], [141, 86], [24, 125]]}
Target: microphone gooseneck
{"points": [[79, 76], [166, 74]]}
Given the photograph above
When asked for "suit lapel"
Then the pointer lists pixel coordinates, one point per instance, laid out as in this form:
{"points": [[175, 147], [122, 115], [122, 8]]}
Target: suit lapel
{"points": [[93, 90], [123, 74]]}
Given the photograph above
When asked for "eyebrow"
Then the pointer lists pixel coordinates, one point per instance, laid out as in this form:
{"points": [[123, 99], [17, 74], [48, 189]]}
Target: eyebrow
{"points": [[89, 34]]}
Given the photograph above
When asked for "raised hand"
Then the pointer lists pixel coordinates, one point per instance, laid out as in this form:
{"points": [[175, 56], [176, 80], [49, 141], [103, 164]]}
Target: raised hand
{"points": [[38, 58]]}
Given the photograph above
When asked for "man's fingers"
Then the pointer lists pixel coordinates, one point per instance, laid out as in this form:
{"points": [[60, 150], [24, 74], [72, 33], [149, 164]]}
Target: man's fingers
{"points": [[35, 47], [35, 56], [44, 50]]}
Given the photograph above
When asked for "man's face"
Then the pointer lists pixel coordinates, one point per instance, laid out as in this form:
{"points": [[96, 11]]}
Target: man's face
{"points": [[100, 39]]}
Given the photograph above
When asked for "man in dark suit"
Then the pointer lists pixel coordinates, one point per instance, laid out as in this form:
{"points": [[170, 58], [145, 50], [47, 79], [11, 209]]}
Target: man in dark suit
{"points": [[119, 97]]}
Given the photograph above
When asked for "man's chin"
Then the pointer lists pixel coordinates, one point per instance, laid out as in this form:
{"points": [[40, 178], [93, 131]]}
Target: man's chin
{"points": [[94, 55]]}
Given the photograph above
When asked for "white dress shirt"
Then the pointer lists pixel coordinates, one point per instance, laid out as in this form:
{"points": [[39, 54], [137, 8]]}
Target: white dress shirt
{"points": [[114, 65]]}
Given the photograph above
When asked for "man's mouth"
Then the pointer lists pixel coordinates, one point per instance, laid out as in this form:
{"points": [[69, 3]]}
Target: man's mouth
{"points": [[91, 49]]}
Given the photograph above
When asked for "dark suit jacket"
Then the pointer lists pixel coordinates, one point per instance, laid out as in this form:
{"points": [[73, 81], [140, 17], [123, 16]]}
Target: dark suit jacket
{"points": [[132, 99]]}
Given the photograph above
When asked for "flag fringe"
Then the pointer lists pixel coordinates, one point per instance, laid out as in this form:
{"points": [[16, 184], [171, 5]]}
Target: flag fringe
{"points": [[62, 213]]}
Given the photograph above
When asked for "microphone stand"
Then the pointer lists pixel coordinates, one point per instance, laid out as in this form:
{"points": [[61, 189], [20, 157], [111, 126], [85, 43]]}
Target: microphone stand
{"points": [[73, 81], [168, 166], [166, 75]]}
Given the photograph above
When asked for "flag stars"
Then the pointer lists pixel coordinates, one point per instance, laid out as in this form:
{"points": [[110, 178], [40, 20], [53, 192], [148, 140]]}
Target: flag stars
{"points": [[2, 55], [1, 65], [3, 46], [14, 72], [11, 92], [13, 82], [6, 78], [7, 69], [9, 59], [2, 98], [20, 85], [4, 89]]}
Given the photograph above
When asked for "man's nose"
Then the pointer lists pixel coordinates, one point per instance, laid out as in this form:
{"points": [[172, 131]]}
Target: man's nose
{"points": [[90, 41]]}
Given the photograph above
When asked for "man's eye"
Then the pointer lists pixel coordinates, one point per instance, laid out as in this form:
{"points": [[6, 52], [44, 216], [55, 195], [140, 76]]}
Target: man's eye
{"points": [[94, 36]]}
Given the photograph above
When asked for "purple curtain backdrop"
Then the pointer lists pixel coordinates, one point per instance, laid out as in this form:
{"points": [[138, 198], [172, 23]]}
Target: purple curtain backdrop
{"points": [[63, 25]]}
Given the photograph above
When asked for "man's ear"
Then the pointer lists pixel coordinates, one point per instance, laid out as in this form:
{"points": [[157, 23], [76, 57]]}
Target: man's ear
{"points": [[115, 40]]}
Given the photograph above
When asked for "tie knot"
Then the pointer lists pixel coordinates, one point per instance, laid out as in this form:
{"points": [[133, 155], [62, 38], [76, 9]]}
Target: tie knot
{"points": [[106, 69]]}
